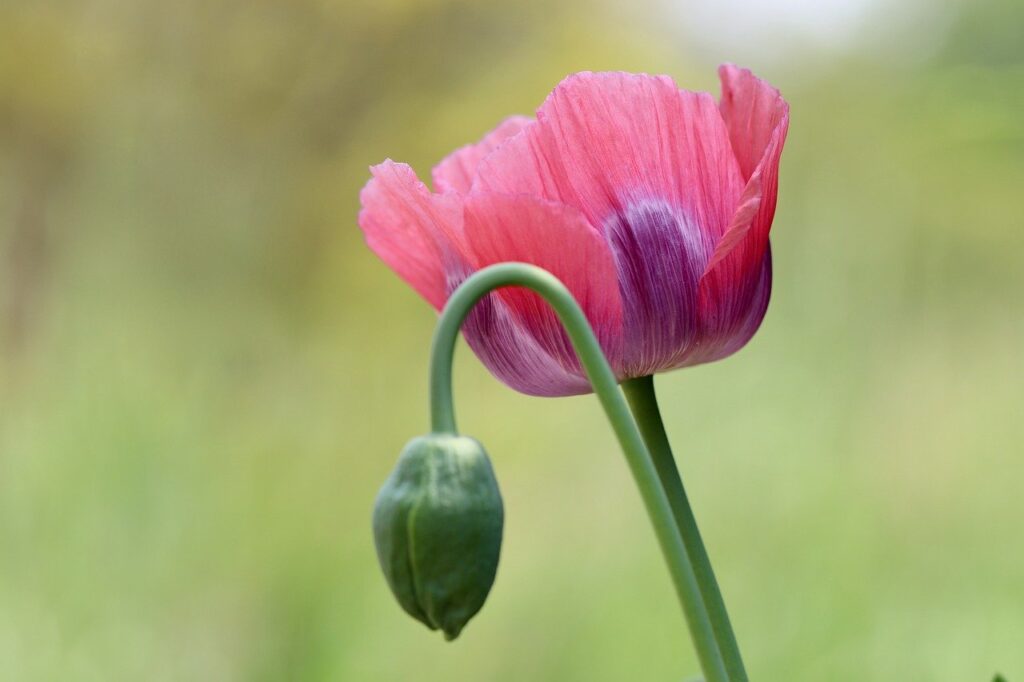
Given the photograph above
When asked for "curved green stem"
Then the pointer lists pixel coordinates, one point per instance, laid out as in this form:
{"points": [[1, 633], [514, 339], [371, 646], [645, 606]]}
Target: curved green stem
{"points": [[644, 402], [606, 387]]}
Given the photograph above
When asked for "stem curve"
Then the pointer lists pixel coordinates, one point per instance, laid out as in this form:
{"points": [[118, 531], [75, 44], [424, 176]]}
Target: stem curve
{"points": [[606, 388]]}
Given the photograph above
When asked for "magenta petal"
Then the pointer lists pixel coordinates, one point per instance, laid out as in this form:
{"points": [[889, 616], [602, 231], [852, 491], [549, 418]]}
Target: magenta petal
{"points": [[606, 142], [514, 355], [732, 287], [416, 233], [730, 319], [753, 112], [757, 118], [557, 238], [659, 259], [456, 171]]}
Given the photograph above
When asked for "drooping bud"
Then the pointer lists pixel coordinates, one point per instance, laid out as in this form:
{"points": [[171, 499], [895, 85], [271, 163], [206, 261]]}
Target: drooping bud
{"points": [[437, 525]]}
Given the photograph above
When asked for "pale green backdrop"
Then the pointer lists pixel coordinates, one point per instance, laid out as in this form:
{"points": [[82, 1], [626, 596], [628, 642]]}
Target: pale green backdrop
{"points": [[205, 375]]}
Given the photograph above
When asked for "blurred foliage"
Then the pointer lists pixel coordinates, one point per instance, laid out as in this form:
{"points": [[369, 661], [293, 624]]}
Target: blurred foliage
{"points": [[205, 376]]}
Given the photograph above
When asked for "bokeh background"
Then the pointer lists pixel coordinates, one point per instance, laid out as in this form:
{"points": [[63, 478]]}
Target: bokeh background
{"points": [[205, 375]]}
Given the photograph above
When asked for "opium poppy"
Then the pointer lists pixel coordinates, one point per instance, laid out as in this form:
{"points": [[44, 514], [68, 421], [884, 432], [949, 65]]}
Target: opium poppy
{"points": [[652, 204]]}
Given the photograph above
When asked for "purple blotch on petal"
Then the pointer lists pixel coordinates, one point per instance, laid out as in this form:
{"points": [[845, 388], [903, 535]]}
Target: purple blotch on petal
{"points": [[511, 352], [659, 256]]}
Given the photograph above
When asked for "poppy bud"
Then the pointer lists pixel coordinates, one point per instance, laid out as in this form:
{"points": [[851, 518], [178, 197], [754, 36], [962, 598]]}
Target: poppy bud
{"points": [[437, 526]]}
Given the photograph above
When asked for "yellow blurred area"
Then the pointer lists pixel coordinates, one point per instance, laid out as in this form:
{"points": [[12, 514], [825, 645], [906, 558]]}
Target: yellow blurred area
{"points": [[205, 375]]}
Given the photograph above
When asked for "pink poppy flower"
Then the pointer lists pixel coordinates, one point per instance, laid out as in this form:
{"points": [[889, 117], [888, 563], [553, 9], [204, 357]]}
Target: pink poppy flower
{"points": [[652, 204]]}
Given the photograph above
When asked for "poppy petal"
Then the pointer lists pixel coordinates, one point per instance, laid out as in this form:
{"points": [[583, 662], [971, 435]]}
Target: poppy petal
{"points": [[758, 120], [456, 171], [659, 262], [415, 232], [526, 229], [605, 142], [752, 110], [727, 328], [512, 354]]}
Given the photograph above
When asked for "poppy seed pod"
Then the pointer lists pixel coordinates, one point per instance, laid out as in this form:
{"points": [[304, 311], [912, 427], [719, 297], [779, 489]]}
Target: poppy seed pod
{"points": [[437, 525]]}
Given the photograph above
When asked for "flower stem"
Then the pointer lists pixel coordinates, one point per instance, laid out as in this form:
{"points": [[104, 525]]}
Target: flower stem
{"points": [[606, 387], [644, 403]]}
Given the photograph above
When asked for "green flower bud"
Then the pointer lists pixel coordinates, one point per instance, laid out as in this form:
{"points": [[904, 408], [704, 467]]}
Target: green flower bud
{"points": [[437, 525]]}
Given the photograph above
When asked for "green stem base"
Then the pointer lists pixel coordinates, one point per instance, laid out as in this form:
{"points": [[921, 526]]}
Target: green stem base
{"points": [[644, 403]]}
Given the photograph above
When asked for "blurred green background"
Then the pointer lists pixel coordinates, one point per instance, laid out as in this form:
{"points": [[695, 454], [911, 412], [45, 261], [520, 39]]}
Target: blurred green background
{"points": [[205, 375]]}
